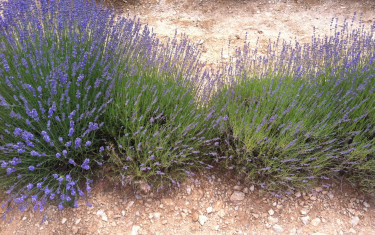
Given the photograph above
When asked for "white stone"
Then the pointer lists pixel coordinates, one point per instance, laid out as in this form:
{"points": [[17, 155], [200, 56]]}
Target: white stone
{"points": [[135, 229], [202, 219], [277, 228], [304, 211], [104, 217], [102, 214], [221, 213], [157, 215], [354, 221], [297, 194], [209, 210], [366, 204], [305, 219], [271, 212], [252, 188], [272, 220], [315, 222], [77, 221], [63, 220], [237, 196]]}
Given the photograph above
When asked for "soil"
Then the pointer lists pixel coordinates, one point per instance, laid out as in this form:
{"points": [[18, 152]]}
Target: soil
{"points": [[221, 203]]}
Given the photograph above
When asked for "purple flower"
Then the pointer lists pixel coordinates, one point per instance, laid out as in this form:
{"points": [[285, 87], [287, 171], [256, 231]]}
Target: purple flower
{"points": [[64, 152], [71, 161], [34, 198], [77, 143], [47, 191], [88, 143], [101, 149], [17, 132], [72, 114], [71, 131], [10, 170], [60, 179], [29, 186], [4, 164], [58, 155], [31, 168], [68, 144]]}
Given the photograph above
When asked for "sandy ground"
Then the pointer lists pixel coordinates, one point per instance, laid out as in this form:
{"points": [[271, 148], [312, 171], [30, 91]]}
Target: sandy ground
{"points": [[213, 23], [221, 203]]}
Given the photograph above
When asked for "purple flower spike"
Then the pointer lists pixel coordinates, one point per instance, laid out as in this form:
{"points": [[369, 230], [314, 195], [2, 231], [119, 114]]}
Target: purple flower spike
{"points": [[71, 161], [77, 143], [31, 168]]}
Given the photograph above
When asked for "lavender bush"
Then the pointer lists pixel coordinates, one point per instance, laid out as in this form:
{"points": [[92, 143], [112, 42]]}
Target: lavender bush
{"points": [[58, 64], [305, 114], [160, 131]]}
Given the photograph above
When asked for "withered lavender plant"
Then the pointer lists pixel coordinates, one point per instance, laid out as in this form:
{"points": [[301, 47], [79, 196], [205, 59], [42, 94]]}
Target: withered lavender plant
{"points": [[58, 64], [305, 114]]}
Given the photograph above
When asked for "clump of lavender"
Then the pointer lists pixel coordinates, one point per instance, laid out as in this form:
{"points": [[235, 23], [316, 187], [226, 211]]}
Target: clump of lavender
{"points": [[58, 63], [305, 114], [161, 132]]}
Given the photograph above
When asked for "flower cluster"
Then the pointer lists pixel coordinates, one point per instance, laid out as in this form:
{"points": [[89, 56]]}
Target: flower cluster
{"points": [[58, 62], [74, 77], [305, 114], [161, 133]]}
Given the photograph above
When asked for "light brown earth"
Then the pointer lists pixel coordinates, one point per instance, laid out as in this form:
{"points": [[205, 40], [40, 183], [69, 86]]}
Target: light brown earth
{"points": [[209, 208]]}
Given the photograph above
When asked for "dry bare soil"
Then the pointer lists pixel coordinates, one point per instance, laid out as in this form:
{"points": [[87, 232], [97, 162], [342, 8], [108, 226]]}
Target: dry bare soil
{"points": [[221, 203]]}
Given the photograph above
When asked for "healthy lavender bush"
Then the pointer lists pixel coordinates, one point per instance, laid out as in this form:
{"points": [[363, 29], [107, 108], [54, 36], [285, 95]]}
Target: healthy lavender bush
{"points": [[161, 132], [305, 114], [58, 63]]}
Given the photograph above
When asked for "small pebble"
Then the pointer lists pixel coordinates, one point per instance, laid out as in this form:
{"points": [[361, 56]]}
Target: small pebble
{"points": [[315, 222], [202, 219], [237, 196], [271, 212], [135, 229], [354, 221], [305, 220], [277, 228], [304, 211]]}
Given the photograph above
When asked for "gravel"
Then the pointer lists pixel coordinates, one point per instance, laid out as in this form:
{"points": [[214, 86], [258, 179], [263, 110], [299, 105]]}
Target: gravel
{"points": [[237, 196]]}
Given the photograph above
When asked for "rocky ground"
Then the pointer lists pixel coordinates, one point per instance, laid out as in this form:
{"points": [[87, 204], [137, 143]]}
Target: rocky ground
{"points": [[221, 203]]}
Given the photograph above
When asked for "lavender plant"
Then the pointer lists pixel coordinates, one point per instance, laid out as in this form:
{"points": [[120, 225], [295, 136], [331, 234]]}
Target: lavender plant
{"points": [[305, 114], [161, 133], [58, 63]]}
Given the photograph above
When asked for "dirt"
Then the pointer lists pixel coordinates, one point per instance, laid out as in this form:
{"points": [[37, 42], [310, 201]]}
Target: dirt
{"points": [[210, 206]]}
